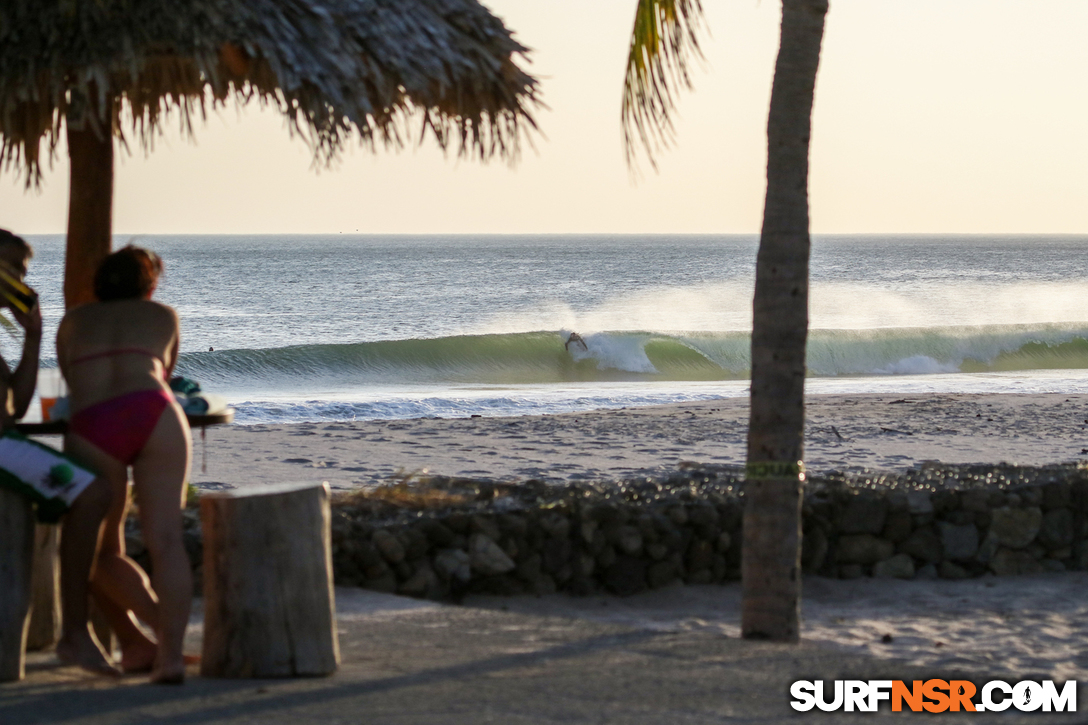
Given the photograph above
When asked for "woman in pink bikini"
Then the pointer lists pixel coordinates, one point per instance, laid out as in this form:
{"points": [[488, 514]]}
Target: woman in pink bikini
{"points": [[117, 355]]}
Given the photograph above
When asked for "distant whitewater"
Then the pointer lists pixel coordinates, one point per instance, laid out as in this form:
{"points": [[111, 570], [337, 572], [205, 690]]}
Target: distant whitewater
{"points": [[339, 328]]}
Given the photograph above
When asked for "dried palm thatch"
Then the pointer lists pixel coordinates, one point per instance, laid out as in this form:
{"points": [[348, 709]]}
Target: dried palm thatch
{"points": [[664, 38], [332, 67]]}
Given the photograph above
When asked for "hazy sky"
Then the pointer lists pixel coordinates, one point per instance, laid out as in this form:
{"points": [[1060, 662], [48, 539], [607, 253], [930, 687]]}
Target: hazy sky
{"points": [[931, 116]]}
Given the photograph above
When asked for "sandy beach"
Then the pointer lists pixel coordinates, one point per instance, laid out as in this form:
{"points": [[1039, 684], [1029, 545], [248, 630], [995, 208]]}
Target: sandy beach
{"points": [[493, 655], [843, 432], [1023, 626]]}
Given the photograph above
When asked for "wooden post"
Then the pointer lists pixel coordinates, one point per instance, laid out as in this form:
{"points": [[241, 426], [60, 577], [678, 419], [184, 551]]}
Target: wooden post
{"points": [[269, 608], [45, 603], [90, 197], [16, 557]]}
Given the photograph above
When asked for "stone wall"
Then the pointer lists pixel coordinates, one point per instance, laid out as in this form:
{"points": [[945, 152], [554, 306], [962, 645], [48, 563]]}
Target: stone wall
{"points": [[441, 538]]}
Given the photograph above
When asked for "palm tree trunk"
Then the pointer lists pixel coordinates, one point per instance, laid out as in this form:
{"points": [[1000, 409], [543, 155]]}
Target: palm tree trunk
{"points": [[90, 206], [771, 565]]}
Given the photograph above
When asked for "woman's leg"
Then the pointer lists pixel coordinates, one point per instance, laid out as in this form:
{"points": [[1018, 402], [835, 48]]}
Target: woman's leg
{"points": [[118, 583], [159, 475], [78, 546], [119, 578]]}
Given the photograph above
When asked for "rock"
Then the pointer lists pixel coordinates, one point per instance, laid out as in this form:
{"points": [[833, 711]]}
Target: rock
{"points": [[1053, 565], [556, 525], [364, 553], [515, 525], [1057, 495], [1078, 493], [453, 564], [529, 568], [987, 548], [542, 585], [897, 501], [626, 538], [703, 576], [900, 566], [948, 570], [923, 544], [657, 552], [851, 571], [598, 543], [626, 577], [703, 515], [945, 501], [439, 534], [975, 500], [863, 514], [556, 554], [919, 502], [415, 543], [458, 522], [1007, 562], [897, 526], [420, 584], [1056, 530], [487, 557], [1015, 528], [480, 524], [927, 572], [1031, 495], [718, 568], [606, 558], [813, 549], [389, 546], [1066, 552], [959, 541], [584, 564], [661, 574], [386, 583], [863, 549], [1080, 557], [700, 555], [499, 585]]}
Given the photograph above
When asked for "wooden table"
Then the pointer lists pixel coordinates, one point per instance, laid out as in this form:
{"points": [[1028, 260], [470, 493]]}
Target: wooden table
{"points": [[60, 427]]}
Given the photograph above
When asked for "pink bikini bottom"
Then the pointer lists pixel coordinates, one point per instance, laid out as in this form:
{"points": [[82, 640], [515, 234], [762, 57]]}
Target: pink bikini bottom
{"points": [[121, 426]]}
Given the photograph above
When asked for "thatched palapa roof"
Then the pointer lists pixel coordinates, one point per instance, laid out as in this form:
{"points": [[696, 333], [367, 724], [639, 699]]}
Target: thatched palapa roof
{"points": [[333, 67]]}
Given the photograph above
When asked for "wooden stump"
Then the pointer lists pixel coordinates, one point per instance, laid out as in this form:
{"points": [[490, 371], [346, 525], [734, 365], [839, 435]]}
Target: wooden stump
{"points": [[45, 603], [269, 608], [16, 557]]}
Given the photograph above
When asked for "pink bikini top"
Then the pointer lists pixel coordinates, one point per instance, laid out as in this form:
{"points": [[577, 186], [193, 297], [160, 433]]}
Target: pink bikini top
{"points": [[119, 351]]}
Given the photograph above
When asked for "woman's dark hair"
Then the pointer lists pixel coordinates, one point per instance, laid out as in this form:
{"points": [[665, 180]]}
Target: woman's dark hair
{"points": [[7, 238], [128, 273]]}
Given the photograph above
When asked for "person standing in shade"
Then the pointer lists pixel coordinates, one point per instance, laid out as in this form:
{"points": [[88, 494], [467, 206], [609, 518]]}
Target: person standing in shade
{"points": [[62, 489], [117, 355]]}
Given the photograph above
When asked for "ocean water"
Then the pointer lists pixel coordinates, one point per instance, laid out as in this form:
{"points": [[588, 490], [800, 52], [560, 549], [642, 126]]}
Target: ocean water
{"points": [[338, 327]]}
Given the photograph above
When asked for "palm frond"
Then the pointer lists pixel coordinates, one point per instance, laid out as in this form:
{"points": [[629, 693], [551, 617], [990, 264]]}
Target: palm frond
{"points": [[10, 327], [663, 41]]}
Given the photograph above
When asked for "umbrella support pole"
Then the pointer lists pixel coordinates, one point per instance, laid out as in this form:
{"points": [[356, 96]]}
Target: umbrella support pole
{"points": [[90, 206]]}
